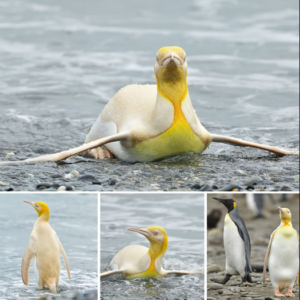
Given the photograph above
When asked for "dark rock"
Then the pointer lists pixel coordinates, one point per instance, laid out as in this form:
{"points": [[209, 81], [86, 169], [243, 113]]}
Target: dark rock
{"points": [[196, 186], [206, 187], [87, 177], [44, 185], [231, 187], [286, 188], [112, 181]]}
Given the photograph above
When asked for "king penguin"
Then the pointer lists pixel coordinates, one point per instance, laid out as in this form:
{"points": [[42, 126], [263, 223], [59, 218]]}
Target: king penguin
{"points": [[44, 248], [143, 123], [237, 244], [283, 256], [139, 261]]}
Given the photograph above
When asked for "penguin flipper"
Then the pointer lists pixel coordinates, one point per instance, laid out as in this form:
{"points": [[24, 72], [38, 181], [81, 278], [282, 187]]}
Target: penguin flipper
{"points": [[183, 272], [73, 151], [242, 230], [64, 255], [26, 261], [111, 273], [238, 142]]}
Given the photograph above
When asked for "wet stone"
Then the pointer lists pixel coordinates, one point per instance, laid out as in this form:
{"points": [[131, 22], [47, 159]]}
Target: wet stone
{"points": [[87, 177], [252, 180], [112, 181]]}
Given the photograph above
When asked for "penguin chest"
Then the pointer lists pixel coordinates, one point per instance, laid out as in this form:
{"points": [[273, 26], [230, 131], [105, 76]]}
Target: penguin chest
{"points": [[150, 272], [177, 139], [234, 248], [47, 259], [284, 257]]}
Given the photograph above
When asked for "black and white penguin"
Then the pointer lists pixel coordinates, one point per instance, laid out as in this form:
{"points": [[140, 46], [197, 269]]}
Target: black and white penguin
{"points": [[237, 244]]}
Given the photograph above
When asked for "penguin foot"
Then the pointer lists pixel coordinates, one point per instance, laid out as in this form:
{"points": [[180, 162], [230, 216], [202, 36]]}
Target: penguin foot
{"points": [[100, 153], [226, 278], [279, 294], [289, 292]]}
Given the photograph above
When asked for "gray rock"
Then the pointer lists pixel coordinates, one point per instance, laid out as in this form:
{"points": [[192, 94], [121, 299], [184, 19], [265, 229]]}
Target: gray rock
{"points": [[214, 286], [252, 180]]}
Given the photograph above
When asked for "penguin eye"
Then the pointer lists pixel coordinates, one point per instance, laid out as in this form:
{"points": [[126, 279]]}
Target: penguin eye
{"points": [[157, 59], [155, 232]]}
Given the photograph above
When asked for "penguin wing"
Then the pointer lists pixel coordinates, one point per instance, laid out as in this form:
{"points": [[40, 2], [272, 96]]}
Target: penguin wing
{"points": [[26, 260], [238, 142], [242, 229], [268, 253], [111, 272], [73, 151], [64, 255], [183, 272]]}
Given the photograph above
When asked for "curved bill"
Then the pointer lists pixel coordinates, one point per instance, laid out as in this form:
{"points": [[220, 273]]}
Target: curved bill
{"points": [[30, 203], [139, 230]]}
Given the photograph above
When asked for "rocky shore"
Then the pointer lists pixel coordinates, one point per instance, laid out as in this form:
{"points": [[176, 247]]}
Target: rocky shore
{"points": [[259, 231], [191, 172], [91, 295]]}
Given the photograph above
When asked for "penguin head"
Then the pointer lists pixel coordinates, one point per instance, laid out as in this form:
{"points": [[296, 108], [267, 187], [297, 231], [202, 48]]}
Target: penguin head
{"points": [[229, 203], [41, 208], [170, 70], [157, 237], [285, 215]]}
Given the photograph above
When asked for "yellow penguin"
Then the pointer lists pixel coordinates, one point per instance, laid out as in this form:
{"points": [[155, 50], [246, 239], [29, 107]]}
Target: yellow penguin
{"points": [[283, 256], [44, 248], [139, 261], [143, 123]]}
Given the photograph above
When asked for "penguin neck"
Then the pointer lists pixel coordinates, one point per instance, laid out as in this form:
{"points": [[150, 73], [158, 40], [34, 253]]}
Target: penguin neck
{"points": [[43, 218], [169, 100], [174, 91], [286, 223], [156, 253]]}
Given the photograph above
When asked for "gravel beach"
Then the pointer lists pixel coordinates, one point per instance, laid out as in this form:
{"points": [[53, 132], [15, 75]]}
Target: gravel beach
{"points": [[259, 242], [238, 170]]}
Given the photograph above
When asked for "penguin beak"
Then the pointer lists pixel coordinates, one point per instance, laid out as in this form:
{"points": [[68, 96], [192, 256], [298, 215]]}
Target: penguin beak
{"points": [[282, 210], [220, 200], [172, 57], [30, 203], [142, 231]]}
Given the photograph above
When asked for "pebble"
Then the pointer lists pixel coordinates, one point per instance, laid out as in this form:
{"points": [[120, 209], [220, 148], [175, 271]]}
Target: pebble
{"points": [[9, 154], [72, 174], [206, 187], [87, 177], [61, 188], [213, 269], [231, 187], [43, 185], [214, 286], [112, 181], [196, 186], [252, 180], [286, 188]]}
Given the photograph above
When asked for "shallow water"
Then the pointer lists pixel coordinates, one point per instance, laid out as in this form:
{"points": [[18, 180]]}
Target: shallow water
{"points": [[181, 215], [61, 62], [74, 218]]}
